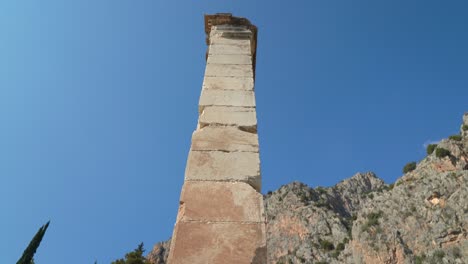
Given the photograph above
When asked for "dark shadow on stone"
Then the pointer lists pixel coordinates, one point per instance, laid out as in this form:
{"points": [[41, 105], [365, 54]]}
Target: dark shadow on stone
{"points": [[250, 129], [260, 256], [453, 160]]}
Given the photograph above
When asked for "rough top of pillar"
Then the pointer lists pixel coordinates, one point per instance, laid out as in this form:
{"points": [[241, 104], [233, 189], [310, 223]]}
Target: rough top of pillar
{"points": [[229, 19]]}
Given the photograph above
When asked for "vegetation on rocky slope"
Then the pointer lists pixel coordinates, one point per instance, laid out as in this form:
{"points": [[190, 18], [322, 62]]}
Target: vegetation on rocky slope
{"points": [[134, 257], [422, 218]]}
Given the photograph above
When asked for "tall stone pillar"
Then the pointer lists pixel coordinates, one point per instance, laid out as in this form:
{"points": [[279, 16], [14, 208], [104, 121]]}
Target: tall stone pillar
{"points": [[221, 216]]}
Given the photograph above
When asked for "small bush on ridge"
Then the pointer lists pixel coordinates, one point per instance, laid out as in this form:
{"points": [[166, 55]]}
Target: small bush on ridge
{"points": [[430, 148], [409, 167], [441, 152], [456, 137]]}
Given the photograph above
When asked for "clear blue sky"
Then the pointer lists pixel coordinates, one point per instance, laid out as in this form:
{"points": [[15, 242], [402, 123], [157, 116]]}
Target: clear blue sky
{"points": [[98, 100]]}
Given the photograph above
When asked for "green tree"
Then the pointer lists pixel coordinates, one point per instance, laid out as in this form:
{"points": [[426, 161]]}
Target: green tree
{"points": [[28, 254], [134, 257]]}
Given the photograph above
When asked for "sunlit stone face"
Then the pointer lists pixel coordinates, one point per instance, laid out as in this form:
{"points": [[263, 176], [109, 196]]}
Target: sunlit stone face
{"points": [[221, 215]]}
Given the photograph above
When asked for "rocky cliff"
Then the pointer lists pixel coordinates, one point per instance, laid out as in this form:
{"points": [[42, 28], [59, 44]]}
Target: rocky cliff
{"points": [[422, 218]]}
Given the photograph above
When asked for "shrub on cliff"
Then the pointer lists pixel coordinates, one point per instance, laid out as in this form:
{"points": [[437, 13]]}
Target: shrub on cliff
{"points": [[372, 220], [340, 247], [456, 137], [438, 255], [409, 167], [430, 148], [326, 245], [441, 152], [419, 259]]}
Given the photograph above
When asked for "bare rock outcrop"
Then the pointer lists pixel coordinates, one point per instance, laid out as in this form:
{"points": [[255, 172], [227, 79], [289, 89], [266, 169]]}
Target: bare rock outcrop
{"points": [[422, 218], [308, 225], [159, 253]]}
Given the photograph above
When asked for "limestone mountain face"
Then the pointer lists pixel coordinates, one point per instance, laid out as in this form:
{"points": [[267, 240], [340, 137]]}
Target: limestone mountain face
{"points": [[306, 225], [159, 253], [422, 218]]}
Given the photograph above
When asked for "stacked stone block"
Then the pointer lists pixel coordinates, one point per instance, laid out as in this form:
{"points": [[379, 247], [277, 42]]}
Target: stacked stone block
{"points": [[221, 215]]}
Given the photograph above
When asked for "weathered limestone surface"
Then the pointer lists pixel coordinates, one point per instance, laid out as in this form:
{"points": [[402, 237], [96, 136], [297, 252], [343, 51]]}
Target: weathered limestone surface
{"points": [[230, 59], [224, 139], [221, 216], [236, 35], [218, 243], [228, 83], [229, 70], [224, 166], [227, 98], [228, 38], [229, 49], [230, 28], [221, 202], [241, 117]]}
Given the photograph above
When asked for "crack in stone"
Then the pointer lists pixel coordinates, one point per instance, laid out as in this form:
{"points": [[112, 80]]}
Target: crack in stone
{"points": [[249, 129], [225, 151], [231, 181]]}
